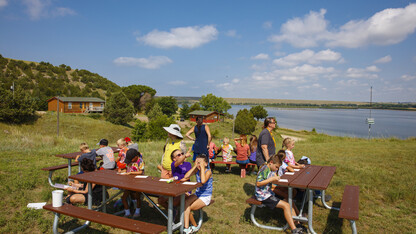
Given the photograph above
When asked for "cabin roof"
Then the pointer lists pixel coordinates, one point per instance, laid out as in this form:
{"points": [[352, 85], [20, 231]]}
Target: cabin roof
{"points": [[78, 99], [203, 113]]}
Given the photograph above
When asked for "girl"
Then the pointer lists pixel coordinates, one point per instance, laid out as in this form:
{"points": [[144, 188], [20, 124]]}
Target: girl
{"points": [[226, 149], [253, 150], [243, 151], [134, 166], [289, 144], [79, 194], [203, 195], [122, 145]]}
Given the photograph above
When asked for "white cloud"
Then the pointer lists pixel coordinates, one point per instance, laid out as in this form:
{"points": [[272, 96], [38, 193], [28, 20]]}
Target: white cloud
{"points": [[267, 25], [386, 27], [177, 82], [38, 9], [153, 62], [62, 11], [235, 80], [261, 56], [232, 33], [3, 3], [408, 77], [367, 72], [308, 56], [385, 59], [185, 37]]}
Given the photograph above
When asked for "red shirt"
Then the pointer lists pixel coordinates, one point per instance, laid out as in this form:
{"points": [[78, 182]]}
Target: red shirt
{"points": [[242, 151]]}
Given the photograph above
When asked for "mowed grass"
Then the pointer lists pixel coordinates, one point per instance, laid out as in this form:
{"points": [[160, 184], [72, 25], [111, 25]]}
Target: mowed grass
{"points": [[383, 168]]}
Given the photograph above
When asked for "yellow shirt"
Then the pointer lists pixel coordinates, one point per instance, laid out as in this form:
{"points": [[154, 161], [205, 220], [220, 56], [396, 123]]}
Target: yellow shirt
{"points": [[170, 147]]}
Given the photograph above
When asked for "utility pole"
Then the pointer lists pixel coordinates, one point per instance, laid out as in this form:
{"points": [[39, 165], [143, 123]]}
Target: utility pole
{"points": [[57, 114], [370, 121]]}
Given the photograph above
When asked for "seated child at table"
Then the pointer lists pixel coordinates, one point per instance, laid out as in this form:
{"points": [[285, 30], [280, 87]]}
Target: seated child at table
{"points": [[134, 166], [107, 155], [226, 149], [212, 152], [279, 190], [86, 153], [122, 145], [131, 144], [243, 151], [202, 196], [289, 144], [79, 194], [263, 192]]}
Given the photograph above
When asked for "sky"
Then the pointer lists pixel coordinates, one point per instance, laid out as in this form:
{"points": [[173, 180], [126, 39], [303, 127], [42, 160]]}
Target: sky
{"points": [[308, 50]]}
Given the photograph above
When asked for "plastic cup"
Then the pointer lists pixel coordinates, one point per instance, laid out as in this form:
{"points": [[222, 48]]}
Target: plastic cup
{"points": [[57, 197]]}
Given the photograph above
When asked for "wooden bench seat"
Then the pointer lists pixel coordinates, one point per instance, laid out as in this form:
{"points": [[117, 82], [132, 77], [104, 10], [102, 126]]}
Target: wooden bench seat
{"points": [[350, 205], [232, 162], [62, 166], [106, 219]]}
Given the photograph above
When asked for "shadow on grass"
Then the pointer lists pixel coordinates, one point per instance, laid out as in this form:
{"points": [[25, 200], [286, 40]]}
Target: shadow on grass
{"points": [[333, 223], [249, 189], [270, 217]]}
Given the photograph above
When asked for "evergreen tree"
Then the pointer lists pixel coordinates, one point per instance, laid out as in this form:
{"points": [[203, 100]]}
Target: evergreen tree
{"points": [[139, 131], [18, 108], [155, 112], [155, 126], [168, 104], [259, 112], [244, 122], [118, 109]]}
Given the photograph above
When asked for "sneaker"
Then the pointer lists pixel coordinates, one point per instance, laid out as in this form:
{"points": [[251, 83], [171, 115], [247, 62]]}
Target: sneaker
{"points": [[194, 229], [303, 227], [136, 215], [297, 231], [187, 230]]}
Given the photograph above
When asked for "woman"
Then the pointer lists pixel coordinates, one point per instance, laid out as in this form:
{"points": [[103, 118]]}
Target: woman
{"points": [[175, 142], [202, 137]]}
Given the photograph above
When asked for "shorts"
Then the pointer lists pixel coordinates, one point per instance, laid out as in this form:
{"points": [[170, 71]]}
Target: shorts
{"points": [[206, 200], [242, 161], [251, 161], [271, 202]]}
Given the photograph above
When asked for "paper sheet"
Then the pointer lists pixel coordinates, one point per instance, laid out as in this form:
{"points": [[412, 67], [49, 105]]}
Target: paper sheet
{"points": [[296, 169], [289, 173], [189, 183], [164, 180], [36, 206], [141, 176], [283, 180], [121, 173]]}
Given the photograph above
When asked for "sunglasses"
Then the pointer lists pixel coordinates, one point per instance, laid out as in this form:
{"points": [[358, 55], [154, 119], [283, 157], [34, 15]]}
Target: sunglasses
{"points": [[180, 154]]}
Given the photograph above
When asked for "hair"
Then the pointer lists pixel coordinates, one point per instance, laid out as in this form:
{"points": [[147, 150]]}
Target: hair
{"points": [[226, 140], [275, 160], [83, 146], [286, 142], [243, 139], [173, 152], [122, 142], [87, 165], [253, 142], [204, 156], [199, 122], [281, 154], [267, 121]]}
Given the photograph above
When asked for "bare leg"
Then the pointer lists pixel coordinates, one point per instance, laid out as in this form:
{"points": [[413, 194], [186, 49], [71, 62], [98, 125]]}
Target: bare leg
{"points": [[286, 210]]}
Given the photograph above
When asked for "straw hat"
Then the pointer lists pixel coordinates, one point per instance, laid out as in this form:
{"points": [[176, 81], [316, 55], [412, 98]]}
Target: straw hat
{"points": [[174, 129]]}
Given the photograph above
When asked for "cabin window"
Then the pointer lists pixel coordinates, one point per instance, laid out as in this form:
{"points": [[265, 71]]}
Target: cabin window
{"points": [[69, 105], [91, 106], [102, 105], [80, 105]]}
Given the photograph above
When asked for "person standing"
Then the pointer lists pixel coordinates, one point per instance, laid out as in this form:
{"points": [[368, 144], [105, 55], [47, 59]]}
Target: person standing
{"points": [[175, 142], [202, 137], [266, 144]]}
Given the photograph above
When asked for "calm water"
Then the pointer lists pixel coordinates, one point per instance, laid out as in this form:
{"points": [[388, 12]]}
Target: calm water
{"points": [[344, 122]]}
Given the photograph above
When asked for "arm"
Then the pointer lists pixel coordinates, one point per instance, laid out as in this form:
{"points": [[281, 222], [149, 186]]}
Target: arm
{"points": [[189, 133], [296, 166], [290, 169], [208, 134], [190, 172], [205, 175], [180, 160], [269, 180], [77, 157], [140, 172], [72, 190], [265, 151]]}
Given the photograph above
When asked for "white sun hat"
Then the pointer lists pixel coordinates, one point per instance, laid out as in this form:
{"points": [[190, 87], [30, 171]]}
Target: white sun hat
{"points": [[174, 129]]}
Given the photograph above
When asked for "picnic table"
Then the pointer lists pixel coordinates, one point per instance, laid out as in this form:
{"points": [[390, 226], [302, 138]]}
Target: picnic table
{"points": [[145, 185], [310, 178]]}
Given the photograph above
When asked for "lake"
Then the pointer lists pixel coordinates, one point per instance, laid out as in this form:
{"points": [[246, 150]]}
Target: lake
{"points": [[344, 122]]}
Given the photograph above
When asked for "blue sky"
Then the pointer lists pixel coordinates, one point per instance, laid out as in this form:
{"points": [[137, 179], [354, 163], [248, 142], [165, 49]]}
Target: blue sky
{"points": [[318, 50]]}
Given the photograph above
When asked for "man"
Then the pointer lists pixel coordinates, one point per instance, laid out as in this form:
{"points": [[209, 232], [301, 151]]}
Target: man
{"points": [[266, 146], [107, 155]]}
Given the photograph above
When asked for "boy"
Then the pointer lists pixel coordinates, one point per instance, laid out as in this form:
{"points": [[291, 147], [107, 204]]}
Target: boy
{"points": [[86, 153], [107, 155], [264, 193]]}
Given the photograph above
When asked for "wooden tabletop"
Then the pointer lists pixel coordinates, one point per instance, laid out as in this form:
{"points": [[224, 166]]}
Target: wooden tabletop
{"points": [[75, 154], [150, 184], [312, 176], [323, 178]]}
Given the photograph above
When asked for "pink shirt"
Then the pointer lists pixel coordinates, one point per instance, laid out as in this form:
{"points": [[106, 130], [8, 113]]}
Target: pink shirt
{"points": [[290, 158]]}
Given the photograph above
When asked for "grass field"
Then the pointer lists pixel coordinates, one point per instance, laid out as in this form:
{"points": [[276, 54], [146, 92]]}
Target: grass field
{"points": [[383, 168]]}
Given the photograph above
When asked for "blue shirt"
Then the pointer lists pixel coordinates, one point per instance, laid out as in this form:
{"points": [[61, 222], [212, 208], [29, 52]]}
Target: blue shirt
{"points": [[206, 189]]}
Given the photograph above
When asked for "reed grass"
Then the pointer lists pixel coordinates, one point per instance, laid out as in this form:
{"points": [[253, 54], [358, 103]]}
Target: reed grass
{"points": [[383, 168]]}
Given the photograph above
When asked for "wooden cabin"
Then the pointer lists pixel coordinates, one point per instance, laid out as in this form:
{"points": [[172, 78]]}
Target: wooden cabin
{"points": [[76, 104], [209, 116]]}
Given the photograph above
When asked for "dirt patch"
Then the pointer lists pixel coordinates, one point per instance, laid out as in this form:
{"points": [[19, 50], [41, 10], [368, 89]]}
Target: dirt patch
{"points": [[293, 137]]}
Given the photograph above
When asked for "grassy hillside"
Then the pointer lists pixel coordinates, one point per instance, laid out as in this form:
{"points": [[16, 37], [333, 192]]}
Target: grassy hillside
{"points": [[383, 168]]}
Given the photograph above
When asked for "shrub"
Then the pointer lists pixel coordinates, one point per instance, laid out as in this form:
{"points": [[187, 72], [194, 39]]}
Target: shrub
{"points": [[244, 122], [118, 109], [139, 130], [155, 126], [18, 108]]}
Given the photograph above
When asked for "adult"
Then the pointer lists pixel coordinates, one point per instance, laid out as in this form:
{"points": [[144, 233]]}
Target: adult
{"points": [[202, 137], [107, 154], [266, 144], [175, 142]]}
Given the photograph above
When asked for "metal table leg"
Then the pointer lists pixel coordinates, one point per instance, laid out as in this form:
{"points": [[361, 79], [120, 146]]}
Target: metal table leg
{"points": [[310, 210], [324, 203], [182, 212], [170, 215], [69, 168]]}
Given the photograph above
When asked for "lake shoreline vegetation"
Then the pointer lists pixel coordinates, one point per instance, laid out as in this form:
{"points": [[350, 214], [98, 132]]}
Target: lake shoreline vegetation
{"points": [[386, 190]]}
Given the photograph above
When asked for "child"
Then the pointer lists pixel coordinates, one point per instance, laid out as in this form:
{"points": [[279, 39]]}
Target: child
{"points": [[212, 152], [203, 195], [253, 150], [265, 178], [134, 166], [79, 194], [86, 153], [131, 144], [122, 145], [107, 155], [226, 149], [289, 144], [278, 190], [243, 151]]}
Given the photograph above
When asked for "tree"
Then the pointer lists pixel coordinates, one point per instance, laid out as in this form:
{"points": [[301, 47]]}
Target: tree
{"points": [[155, 129], [244, 122], [118, 109], [194, 107], [213, 103], [135, 92], [259, 112], [17, 109], [155, 112], [139, 131], [184, 112], [168, 104]]}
